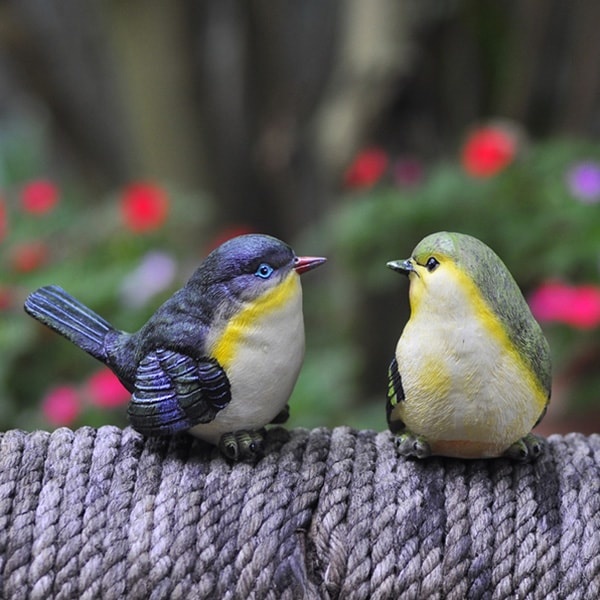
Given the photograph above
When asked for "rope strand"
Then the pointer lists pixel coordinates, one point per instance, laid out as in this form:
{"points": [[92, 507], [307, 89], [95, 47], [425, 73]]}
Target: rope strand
{"points": [[331, 514]]}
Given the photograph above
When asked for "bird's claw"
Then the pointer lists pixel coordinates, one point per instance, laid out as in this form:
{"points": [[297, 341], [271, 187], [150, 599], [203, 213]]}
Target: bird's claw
{"points": [[526, 449], [242, 445], [409, 444]]}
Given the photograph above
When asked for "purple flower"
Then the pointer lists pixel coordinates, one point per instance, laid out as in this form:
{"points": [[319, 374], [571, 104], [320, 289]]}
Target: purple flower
{"points": [[408, 172], [155, 273], [583, 180]]}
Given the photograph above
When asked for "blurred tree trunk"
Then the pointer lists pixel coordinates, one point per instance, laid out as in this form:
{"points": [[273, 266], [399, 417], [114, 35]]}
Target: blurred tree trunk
{"points": [[581, 92], [293, 89], [263, 103], [60, 53], [374, 52], [526, 53], [155, 72], [260, 102]]}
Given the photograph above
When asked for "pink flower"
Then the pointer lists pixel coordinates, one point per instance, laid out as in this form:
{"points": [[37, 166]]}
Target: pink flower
{"points": [[585, 310], [367, 168], [550, 301], [577, 306], [39, 197], [61, 406], [144, 207], [105, 390], [489, 150]]}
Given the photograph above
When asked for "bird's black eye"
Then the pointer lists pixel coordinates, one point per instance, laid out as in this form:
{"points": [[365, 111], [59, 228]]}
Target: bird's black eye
{"points": [[432, 264], [264, 271]]}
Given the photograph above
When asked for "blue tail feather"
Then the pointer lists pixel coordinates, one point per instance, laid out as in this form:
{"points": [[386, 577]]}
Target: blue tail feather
{"points": [[66, 315]]}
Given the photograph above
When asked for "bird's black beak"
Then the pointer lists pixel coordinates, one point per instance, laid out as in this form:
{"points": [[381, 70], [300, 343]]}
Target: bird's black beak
{"points": [[406, 267], [306, 263]]}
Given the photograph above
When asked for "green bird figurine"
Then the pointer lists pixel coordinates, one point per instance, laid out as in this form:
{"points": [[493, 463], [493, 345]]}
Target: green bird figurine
{"points": [[471, 374], [219, 359]]}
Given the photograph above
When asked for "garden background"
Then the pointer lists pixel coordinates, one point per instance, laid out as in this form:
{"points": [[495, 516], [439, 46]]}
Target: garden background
{"points": [[135, 137]]}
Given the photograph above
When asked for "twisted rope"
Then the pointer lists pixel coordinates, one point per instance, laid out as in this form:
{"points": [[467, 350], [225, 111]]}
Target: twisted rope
{"points": [[105, 513]]}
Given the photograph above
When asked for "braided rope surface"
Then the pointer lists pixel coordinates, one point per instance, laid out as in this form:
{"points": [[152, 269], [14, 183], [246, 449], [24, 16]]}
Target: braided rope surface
{"points": [[105, 513]]}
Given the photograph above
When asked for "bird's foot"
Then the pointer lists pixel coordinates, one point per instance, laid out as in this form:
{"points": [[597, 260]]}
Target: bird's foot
{"points": [[526, 449], [410, 444], [242, 445]]}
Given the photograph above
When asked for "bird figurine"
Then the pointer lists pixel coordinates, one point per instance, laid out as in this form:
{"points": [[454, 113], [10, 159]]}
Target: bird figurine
{"points": [[219, 359], [471, 374]]}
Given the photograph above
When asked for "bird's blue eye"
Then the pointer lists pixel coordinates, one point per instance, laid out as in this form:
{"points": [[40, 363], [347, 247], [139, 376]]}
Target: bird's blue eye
{"points": [[264, 271]]}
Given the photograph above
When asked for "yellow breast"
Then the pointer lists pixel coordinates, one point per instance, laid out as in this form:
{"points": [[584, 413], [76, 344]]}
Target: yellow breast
{"points": [[245, 322]]}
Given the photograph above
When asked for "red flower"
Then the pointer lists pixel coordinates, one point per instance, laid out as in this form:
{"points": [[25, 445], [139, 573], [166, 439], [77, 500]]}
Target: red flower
{"points": [[577, 306], [39, 197], [366, 169], [6, 298], [29, 256], [61, 406], [488, 151], [144, 207], [3, 220], [105, 390]]}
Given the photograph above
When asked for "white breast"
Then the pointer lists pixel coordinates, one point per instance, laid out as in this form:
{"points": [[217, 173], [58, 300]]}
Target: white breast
{"points": [[460, 382], [266, 366]]}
